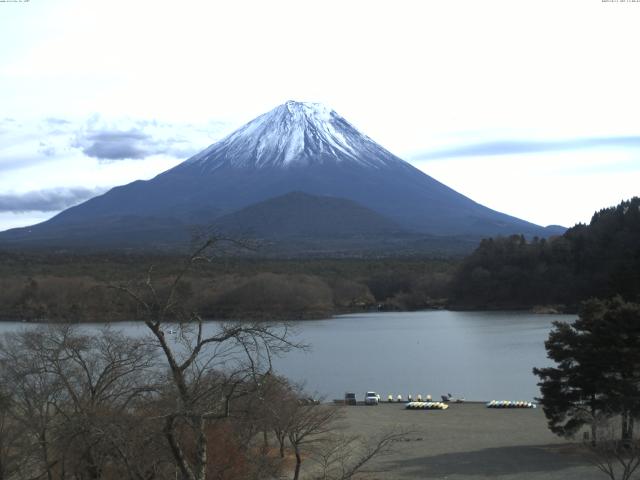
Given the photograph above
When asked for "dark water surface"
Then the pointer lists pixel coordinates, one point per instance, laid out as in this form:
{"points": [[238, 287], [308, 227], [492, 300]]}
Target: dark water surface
{"points": [[477, 355]]}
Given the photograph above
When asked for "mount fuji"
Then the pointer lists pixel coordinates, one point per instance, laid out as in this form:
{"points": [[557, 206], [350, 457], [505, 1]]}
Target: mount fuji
{"points": [[298, 147]]}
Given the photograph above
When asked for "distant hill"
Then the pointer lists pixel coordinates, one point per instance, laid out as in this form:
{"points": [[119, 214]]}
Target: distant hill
{"points": [[296, 147], [601, 259], [300, 224], [299, 214]]}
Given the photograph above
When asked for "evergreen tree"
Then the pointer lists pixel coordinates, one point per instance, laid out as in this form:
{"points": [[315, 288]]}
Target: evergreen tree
{"points": [[599, 259], [598, 368]]}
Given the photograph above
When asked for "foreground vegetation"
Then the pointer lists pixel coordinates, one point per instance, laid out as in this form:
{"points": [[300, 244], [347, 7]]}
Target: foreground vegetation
{"points": [[596, 383], [185, 401], [113, 407]]}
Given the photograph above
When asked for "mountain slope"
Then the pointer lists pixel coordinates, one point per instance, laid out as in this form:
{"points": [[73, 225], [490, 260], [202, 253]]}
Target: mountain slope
{"points": [[295, 147], [298, 214]]}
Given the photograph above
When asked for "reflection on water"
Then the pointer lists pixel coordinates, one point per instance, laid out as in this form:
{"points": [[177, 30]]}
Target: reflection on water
{"points": [[477, 355]]}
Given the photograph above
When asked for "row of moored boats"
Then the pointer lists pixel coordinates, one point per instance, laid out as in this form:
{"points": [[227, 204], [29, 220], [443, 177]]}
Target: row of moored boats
{"points": [[510, 404], [491, 404], [427, 406]]}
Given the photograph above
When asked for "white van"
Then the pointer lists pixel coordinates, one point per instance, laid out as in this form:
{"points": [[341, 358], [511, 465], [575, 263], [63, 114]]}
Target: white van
{"points": [[371, 398]]}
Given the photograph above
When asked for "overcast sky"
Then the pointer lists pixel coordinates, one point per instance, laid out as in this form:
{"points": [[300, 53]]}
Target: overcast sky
{"points": [[528, 107]]}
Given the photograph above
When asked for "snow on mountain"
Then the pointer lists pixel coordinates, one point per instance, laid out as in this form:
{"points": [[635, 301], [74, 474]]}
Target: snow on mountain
{"points": [[294, 134], [296, 147]]}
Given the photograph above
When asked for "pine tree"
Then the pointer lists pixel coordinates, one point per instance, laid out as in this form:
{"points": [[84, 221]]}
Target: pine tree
{"points": [[598, 368]]}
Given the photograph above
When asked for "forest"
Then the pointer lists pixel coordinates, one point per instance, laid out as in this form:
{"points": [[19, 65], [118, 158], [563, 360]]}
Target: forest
{"points": [[78, 288], [601, 259]]}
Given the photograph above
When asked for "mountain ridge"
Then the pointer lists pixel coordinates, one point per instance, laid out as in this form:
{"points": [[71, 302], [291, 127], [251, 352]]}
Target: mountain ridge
{"points": [[296, 146]]}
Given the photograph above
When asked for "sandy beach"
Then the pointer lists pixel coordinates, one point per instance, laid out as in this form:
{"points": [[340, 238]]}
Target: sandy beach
{"points": [[470, 441]]}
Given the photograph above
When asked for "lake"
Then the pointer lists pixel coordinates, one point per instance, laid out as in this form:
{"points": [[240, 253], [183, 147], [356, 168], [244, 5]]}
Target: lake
{"points": [[476, 355]]}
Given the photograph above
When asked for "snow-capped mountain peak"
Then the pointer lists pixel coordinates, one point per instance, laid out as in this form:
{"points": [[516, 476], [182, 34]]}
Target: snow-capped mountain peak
{"points": [[294, 134], [250, 175], [309, 109]]}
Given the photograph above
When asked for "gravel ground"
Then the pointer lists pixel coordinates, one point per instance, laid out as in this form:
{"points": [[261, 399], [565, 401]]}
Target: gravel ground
{"points": [[470, 441]]}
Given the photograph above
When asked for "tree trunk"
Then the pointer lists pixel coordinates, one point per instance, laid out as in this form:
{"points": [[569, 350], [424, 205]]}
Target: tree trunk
{"points": [[93, 470], [624, 416], [265, 440], [178, 455], [201, 449], [296, 474], [45, 454], [627, 428], [594, 424], [281, 437]]}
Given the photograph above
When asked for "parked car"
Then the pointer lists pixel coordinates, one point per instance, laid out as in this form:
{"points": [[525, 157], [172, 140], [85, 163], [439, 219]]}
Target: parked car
{"points": [[371, 398], [350, 399]]}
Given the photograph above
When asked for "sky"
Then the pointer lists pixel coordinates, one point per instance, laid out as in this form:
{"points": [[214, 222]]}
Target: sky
{"points": [[528, 107]]}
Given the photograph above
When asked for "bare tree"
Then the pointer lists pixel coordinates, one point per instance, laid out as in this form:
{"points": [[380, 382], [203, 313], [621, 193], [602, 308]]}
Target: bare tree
{"points": [[34, 398], [11, 439], [309, 425], [190, 398], [281, 402], [313, 431], [101, 376], [618, 459], [208, 366], [345, 457], [74, 395]]}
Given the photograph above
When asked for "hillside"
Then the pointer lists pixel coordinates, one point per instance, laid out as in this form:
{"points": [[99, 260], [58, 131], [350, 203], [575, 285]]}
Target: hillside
{"points": [[601, 259], [299, 214]]}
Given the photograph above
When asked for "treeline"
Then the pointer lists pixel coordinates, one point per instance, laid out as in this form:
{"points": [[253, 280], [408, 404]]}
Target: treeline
{"points": [[601, 259], [79, 288]]}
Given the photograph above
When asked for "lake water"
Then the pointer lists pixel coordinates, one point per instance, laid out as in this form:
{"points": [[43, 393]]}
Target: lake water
{"points": [[476, 355]]}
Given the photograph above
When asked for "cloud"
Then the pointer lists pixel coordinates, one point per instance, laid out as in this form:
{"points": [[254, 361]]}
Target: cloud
{"points": [[514, 147], [47, 149], [47, 200], [57, 121], [7, 124], [114, 145], [127, 139], [25, 143], [18, 161]]}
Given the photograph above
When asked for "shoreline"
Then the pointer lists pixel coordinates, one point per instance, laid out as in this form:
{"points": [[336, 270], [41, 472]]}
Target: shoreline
{"points": [[469, 441], [294, 319]]}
